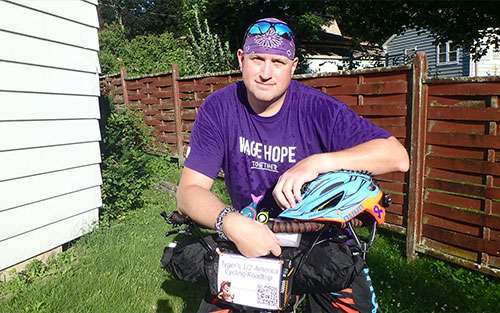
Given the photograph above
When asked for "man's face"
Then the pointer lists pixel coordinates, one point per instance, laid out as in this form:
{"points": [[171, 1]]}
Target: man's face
{"points": [[266, 76]]}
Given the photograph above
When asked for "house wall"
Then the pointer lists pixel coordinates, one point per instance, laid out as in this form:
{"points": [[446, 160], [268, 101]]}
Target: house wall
{"points": [[425, 42], [324, 65], [488, 65], [49, 134]]}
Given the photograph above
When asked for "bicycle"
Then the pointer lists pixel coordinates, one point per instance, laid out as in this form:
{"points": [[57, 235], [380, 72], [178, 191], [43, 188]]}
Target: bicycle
{"points": [[323, 235]]}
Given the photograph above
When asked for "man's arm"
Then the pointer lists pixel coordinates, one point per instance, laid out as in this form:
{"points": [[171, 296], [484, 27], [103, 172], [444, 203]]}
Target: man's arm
{"points": [[195, 199], [377, 156]]}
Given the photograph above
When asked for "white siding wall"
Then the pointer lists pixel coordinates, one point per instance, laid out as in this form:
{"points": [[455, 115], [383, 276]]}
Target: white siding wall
{"points": [[488, 65], [49, 153]]}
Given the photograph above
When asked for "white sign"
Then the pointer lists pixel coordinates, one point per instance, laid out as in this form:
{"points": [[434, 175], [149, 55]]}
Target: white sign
{"points": [[252, 282]]}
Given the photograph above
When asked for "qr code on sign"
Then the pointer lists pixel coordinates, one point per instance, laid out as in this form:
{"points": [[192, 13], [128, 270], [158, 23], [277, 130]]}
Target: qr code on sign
{"points": [[267, 295]]}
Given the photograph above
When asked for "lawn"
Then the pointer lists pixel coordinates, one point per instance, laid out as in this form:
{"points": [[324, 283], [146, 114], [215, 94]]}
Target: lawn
{"points": [[116, 269]]}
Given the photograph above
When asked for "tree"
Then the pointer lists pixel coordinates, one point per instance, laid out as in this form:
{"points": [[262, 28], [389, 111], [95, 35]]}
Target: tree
{"points": [[464, 22], [144, 17], [467, 23]]}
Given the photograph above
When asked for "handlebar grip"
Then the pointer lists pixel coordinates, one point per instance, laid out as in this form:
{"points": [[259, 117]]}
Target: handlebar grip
{"points": [[294, 227], [177, 218]]}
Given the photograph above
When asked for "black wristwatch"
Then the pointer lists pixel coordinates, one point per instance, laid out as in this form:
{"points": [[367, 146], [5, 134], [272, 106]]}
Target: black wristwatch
{"points": [[219, 222]]}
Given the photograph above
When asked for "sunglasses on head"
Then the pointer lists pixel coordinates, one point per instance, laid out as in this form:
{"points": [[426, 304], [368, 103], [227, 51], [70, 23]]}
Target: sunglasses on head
{"points": [[263, 27]]}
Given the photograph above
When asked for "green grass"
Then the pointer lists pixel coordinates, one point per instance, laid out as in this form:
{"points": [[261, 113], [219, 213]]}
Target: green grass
{"points": [[116, 269], [426, 284]]}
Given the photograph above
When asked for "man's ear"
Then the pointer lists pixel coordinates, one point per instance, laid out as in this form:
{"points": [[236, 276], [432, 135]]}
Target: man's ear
{"points": [[295, 62], [240, 54]]}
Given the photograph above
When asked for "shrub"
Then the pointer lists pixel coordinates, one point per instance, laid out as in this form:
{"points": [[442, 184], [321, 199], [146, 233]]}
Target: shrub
{"points": [[155, 53], [210, 55], [143, 54], [124, 163], [112, 42]]}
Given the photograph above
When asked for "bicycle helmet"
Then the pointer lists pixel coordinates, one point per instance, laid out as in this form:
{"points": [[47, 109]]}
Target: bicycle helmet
{"points": [[339, 197]]}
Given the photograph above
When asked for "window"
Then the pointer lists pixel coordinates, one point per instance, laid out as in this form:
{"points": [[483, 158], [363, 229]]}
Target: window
{"points": [[447, 53], [410, 52]]}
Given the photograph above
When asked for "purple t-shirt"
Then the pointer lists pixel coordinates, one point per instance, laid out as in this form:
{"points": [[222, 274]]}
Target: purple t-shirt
{"points": [[253, 151]]}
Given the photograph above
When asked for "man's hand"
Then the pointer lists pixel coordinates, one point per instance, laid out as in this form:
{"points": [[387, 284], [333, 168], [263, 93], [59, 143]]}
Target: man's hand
{"points": [[253, 239], [287, 190]]}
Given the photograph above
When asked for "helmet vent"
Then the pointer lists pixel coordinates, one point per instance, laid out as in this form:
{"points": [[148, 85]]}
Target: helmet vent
{"points": [[330, 203], [331, 187]]}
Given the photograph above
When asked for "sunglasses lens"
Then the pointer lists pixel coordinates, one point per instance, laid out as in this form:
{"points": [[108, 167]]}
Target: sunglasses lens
{"points": [[282, 29], [259, 28]]}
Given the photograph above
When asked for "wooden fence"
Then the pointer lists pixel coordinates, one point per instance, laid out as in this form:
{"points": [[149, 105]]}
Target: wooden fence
{"points": [[448, 205]]}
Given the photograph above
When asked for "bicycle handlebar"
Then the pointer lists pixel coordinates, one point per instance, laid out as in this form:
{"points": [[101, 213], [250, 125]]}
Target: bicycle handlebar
{"points": [[177, 219]]}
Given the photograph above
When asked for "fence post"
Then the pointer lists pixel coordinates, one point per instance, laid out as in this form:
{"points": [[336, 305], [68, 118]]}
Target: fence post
{"points": [[492, 102], [177, 113], [123, 75], [417, 154]]}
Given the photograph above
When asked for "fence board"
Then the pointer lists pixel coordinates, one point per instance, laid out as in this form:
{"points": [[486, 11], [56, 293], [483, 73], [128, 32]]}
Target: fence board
{"points": [[495, 235], [389, 121], [466, 216], [395, 219], [458, 101], [188, 115], [185, 88], [397, 198], [473, 166], [455, 176], [395, 208], [457, 127], [387, 76], [396, 176], [349, 100], [464, 140], [191, 104], [395, 99], [162, 82], [379, 110], [329, 81], [449, 250], [464, 114], [456, 152], [455, 187], [462, 240], [375, 88], [452, 200], [451, 225], [466, 89], [392, 187]]}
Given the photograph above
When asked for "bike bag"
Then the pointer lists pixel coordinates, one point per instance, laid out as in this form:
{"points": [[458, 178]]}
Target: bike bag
{"points": [[329, 266]]}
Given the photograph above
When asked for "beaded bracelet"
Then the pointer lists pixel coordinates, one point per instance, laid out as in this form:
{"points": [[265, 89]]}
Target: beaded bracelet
{"points": [[220, 221]]}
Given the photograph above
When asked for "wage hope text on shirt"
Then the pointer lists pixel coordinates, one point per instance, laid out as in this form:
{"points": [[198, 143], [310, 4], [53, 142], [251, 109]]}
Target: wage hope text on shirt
{"points": [[253, 151], [266, 154]]}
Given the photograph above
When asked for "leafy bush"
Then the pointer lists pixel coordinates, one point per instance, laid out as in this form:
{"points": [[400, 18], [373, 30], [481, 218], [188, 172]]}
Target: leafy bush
{"points": [[155, 53], [112, 41], [142, 54], [202, 52], [125, 163], [210, 55]]}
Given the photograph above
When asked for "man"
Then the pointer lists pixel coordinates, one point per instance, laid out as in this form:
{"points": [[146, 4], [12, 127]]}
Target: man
{"points": [[271, 135]]}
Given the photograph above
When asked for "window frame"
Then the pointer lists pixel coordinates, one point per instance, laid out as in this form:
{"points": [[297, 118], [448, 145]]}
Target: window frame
{"points": [[409, 51], [447, 53]]}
